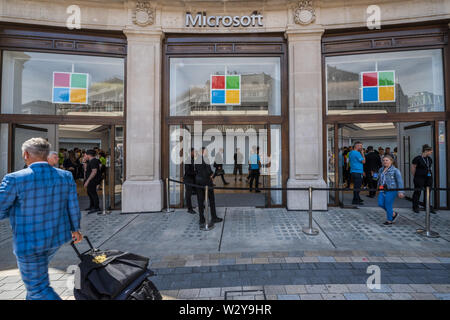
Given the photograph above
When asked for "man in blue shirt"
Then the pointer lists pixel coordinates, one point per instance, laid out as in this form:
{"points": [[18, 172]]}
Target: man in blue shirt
{"points": [[255, 164], [42, 206], [357, 160]]}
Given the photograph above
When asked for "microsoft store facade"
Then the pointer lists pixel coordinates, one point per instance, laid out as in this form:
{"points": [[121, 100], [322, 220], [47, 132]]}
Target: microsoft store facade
{"points": [[299, 80]]}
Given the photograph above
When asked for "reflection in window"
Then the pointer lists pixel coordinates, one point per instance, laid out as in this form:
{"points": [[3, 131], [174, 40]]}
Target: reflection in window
{"points": [[417, 76], [190, 86], [28, 78]]}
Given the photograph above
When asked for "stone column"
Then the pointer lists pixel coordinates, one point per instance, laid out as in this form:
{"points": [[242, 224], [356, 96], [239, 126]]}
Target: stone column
{"points": [[143, 188], [305, 117]]}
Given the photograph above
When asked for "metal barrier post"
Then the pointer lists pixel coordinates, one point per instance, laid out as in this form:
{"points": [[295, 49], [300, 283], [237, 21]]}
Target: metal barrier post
{"points": [[168, 208], [104, 211], [427, 231], [208, 226], [310, 230]]}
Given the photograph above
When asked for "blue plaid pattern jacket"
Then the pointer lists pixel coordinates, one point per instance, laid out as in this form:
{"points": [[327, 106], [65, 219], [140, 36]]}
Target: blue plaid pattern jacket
{"points": [[42, 206]]}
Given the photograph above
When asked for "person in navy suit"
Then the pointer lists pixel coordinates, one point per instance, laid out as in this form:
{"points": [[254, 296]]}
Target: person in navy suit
{"points": [[42, 206]]}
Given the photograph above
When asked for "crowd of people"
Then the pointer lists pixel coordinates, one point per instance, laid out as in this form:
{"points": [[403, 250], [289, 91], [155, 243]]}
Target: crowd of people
{"points": [[89, 166], [377, 170]]}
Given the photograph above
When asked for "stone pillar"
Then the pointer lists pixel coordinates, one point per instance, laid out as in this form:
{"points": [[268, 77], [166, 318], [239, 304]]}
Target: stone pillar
{"points": [[305, 117], [143, 189]]}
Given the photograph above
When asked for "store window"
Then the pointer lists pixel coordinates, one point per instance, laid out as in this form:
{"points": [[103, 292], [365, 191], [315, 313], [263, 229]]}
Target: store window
{"points": [[225, 86], [407, 81], [60, 84]]}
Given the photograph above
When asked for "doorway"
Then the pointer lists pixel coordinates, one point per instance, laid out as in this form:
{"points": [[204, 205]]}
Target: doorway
{"points": [[403, 140], [70, 141], [233, 145]]}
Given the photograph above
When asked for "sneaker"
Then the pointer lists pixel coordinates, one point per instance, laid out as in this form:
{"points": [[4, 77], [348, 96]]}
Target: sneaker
{"points": [[88, 209], [192, 211], [394, 218], [388, 223], [216, 220], [416, 210], [94, 210]]}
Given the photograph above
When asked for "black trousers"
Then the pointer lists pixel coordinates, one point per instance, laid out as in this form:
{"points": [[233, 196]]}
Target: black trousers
{"points": [[372, 184], [201, 203], [219, 167], [357, 183], [254, 176], [94, 202], [189, 191], [237, 168], [421, 182]]}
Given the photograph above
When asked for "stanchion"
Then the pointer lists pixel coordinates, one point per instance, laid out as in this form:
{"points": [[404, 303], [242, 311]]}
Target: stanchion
{"points": [[208, 225], [168, 208], [427, 231], [310, 230], [104, 211]]}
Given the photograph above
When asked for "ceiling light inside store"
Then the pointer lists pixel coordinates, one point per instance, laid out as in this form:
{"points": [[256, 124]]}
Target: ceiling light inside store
{"points": [[375, 126]]}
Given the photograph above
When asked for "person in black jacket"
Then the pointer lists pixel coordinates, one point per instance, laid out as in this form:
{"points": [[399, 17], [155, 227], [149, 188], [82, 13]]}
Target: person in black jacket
{"points": [[203, 177], [371, 167], [422, 170], [189, 177]]}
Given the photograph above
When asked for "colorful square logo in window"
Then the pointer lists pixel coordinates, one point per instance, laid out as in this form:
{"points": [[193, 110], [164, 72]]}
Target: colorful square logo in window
{"points": [[70, 87], [226, 90], [377, 86]]}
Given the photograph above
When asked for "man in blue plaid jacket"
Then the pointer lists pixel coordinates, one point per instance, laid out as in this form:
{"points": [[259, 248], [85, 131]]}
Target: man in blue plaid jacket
{"points": [[42, 206]]}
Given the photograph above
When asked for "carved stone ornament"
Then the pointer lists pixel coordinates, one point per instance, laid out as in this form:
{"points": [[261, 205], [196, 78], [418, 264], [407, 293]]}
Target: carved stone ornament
{"points": [[144, 14], [304, 13]]}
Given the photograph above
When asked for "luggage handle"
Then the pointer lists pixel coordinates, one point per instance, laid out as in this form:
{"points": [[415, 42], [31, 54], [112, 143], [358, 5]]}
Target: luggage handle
{"points": [[78, 252]]}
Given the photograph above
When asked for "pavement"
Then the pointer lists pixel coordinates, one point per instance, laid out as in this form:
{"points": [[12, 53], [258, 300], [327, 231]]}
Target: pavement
{"points": [[258, 254]]}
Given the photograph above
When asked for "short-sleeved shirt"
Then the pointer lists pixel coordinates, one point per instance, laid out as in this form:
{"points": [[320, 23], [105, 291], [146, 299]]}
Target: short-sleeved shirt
{"points": [[92, 164], [423, 165], [254, 161], [356, 164]]}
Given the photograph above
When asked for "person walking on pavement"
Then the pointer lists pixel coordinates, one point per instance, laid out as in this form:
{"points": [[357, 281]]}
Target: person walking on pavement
{"points": [[371, 167], [42, 206], [357, 160], [255, 165], [204, 177], [238, 160], [92, 180], [421, 169], [218, 164], [389, 178], [189, 177]]}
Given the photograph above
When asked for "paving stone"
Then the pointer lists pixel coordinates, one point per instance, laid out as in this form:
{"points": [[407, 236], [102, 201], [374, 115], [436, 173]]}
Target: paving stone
{"points": [[209, 292], [272, 297], [259, 297], [423, 296], [383, 289], [442, 296], [317, 288], [311, 296], [293, 259], [440, 288], [337, 288], [310, 259], [243, 261], [260, 260], [343, 259], [423, 288], [188, 293], [400, 296], [292, 289], [225, 289], [401, 288], [12, 286], [288, 297], [333, 296], [356, 296], [9, 295], [170, 293], [378, 296], [274, 290], [193, 263], [247, 297], [12, 279]]}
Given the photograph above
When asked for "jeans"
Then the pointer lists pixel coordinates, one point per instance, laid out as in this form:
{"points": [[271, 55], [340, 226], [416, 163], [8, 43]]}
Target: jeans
{"points": [[357, 183], [386, 201], [34, 271]]}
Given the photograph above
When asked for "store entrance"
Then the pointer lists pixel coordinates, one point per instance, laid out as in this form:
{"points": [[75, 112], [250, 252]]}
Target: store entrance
{"points": [[71, 141], [230, 148], [402, 140]]}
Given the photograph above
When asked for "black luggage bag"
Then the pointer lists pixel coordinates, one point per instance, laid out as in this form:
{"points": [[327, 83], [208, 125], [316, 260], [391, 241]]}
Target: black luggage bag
{"points": [[113, 275]]}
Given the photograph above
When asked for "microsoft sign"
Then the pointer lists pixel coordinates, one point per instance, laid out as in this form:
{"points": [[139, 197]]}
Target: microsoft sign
{"points": [[202, 20]]}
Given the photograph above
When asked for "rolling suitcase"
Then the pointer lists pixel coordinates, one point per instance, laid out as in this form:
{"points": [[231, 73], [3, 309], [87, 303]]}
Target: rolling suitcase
{"points": [[113, 275]]}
